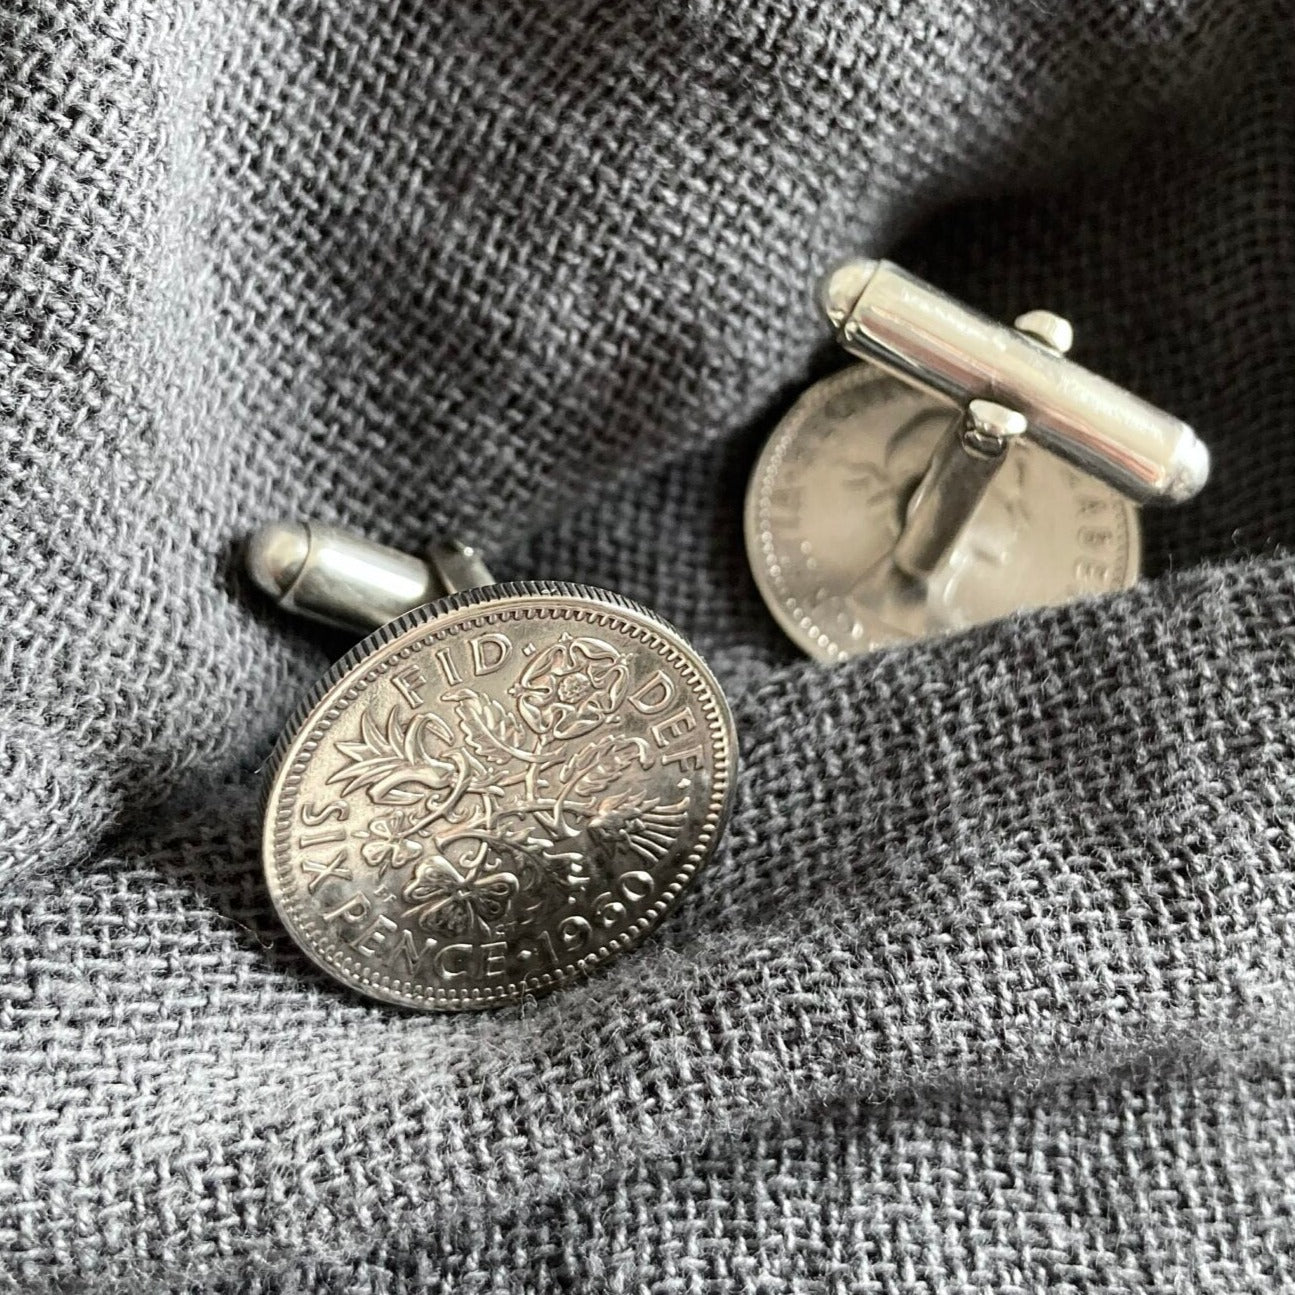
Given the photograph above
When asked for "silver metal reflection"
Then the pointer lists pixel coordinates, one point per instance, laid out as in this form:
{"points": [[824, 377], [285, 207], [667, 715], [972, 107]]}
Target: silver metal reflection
{"points": [[344, 580], [926, 337], [968, 459]]}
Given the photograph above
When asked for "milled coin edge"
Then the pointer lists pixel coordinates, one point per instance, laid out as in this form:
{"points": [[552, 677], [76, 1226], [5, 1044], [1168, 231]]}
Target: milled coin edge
{"points": [[794, 621]]}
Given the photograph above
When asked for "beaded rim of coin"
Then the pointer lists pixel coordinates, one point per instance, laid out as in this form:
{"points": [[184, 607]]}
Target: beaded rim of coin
{"points": [[485, 609], [801, 618]]}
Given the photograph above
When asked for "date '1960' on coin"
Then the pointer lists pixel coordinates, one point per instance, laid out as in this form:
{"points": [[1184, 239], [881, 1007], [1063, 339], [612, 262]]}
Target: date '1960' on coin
{"points": [[491, 797]]}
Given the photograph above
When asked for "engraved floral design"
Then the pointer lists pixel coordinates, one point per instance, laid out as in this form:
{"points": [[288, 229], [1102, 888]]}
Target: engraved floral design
{"points": [[503, 814], [572, 688], [458, 901], [644, 828], [409, 762], [390, 842]]}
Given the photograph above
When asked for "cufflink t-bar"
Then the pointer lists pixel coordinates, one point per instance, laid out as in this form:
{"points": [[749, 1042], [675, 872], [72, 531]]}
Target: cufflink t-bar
{"points": [[963, 470]]}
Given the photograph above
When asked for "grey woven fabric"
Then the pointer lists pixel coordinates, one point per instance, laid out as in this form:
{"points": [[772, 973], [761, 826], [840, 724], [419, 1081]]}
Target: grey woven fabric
{"points": [[991, 985]]}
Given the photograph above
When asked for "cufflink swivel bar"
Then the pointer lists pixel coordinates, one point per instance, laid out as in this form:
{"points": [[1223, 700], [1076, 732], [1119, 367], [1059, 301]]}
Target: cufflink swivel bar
{"points": [[349, 582], [1017, 382]]}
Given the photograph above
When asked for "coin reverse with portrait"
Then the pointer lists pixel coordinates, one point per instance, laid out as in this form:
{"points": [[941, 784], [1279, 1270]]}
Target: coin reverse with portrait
{"points": [[495, 792]]}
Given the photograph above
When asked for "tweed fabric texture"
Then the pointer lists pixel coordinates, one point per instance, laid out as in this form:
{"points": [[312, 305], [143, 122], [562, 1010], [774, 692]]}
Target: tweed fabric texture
{"points": [[991, 985]]}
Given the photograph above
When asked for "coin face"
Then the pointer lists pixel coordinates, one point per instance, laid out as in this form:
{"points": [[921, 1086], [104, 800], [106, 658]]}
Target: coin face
{"points": [[827, 501], [495, 794]]}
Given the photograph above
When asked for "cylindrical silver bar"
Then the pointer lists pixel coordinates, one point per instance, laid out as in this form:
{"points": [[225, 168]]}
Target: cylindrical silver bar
{"points": [[338, 578], [916, 331], [961, 470]]}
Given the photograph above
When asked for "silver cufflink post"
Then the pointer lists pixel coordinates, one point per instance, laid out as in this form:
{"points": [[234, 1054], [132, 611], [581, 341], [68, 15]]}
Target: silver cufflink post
{"points": [[964, 470]]}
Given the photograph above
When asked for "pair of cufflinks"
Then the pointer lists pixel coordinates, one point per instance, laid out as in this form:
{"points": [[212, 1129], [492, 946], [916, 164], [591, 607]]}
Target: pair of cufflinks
{"points": [[504, 786]]}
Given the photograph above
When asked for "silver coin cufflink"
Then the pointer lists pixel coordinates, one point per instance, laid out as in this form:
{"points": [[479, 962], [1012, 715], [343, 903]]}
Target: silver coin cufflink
{"points": [[962, 471], [498, 790]]}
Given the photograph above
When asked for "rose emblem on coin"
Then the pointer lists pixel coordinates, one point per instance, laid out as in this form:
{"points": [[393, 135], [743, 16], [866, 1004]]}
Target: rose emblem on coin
{"points": [[572, 687]]}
